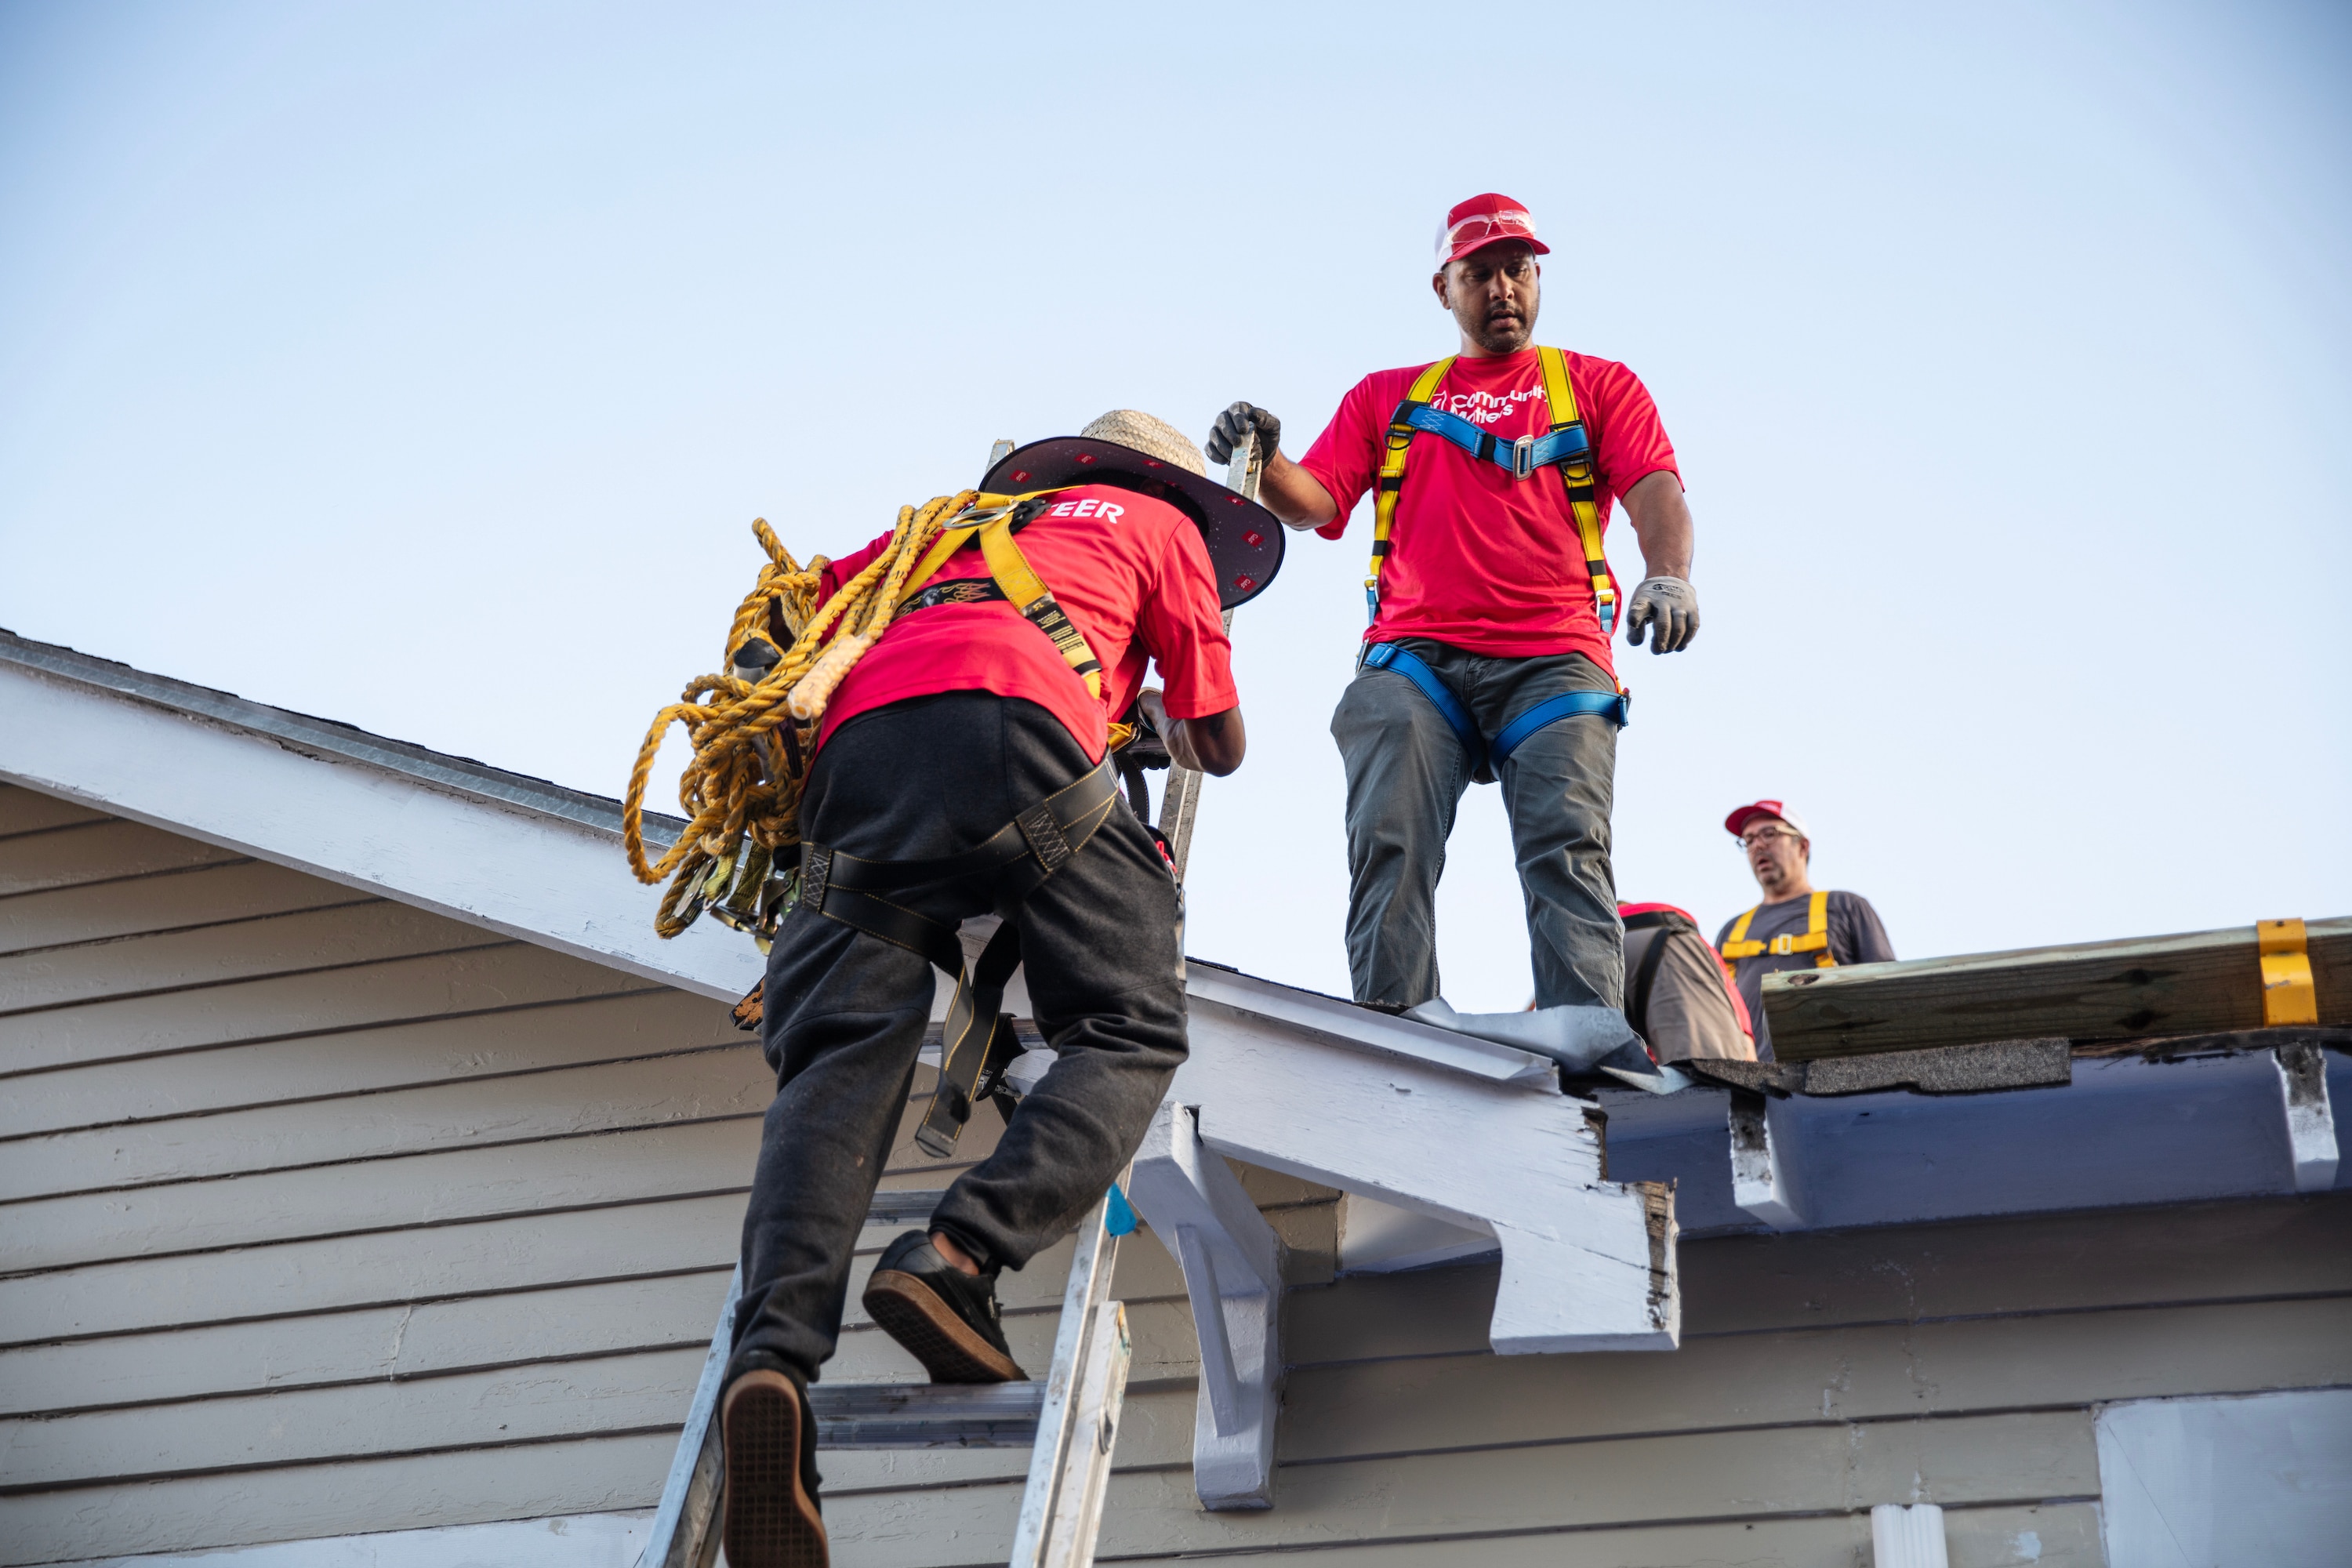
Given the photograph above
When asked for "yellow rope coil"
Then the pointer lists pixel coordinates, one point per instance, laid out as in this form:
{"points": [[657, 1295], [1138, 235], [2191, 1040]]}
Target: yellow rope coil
{"points": [[750, 738]]}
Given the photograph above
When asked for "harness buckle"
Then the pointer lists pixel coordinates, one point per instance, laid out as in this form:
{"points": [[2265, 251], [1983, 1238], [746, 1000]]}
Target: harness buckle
{"points": [[1523, 457], [1783, 946]]}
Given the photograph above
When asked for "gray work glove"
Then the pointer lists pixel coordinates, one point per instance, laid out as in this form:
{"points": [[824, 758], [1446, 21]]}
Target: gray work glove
{"points": [[1237, 422], [1670, 606]]}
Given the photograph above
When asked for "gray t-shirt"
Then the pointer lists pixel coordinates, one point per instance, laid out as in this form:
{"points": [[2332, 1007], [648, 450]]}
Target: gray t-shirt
{"points": [[1855, 937]]}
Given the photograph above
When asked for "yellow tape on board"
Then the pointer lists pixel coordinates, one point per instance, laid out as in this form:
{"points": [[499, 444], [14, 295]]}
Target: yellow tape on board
{"points": [[2288, 994]]}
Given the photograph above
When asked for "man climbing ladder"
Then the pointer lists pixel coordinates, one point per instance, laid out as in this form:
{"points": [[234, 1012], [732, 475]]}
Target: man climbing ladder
{"points": [[959, 770], [1492, 610]]}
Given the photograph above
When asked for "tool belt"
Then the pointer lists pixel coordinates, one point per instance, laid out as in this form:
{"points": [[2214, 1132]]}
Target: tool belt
{"points": [[1487, 759], [977, 1042]]}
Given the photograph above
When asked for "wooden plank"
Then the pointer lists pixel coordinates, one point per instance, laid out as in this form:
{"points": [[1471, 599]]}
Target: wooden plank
{"points": [[237, 889], [529, 1481], [509, 1254], [99, 851], [30, 811], [726, 1080], [1834, 1469], [366, 931], [480, 980], [362, 1061], [380, 1194], [2199, 982]]}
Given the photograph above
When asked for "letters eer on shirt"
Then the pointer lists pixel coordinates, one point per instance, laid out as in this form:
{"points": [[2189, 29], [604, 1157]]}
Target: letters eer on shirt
{"points": [[1129, 571], [1479, 560]]}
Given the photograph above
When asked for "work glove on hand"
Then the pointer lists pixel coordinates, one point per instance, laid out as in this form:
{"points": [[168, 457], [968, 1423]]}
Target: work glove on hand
{"points": [[1237, 422], [1669, 607]]}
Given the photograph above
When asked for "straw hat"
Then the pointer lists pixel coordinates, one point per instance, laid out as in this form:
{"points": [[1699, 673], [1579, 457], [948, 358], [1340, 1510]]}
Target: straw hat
{"points": [[1137, 452]]}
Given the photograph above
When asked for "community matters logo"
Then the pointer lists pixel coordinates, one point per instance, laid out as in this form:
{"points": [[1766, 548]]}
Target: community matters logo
{"points": [[1487, 408]]}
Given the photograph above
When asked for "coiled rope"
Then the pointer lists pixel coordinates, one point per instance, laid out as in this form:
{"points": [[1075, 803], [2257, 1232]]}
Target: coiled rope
{"points": [[751, 738]]}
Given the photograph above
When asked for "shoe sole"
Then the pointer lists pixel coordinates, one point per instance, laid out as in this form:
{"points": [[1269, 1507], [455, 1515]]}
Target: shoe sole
{"points": [[771, 1522], [951, 1350]]}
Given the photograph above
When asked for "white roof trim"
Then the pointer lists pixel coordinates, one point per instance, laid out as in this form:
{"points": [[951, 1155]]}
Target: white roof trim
{"points": [[514, 855]]}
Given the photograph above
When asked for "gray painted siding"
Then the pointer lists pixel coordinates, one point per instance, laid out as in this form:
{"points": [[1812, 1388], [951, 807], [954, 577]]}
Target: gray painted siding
{"points": [[311, 1236], [320, 1214]]}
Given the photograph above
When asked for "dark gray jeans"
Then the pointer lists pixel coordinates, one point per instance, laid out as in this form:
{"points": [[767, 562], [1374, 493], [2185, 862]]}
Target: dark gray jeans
{"points": [[845, 1013], [1406, 772]]}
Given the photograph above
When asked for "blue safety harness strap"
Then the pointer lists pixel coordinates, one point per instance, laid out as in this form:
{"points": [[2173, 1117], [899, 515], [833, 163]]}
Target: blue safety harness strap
{"points": [[1520, 458], [1617, 705], [1403, 662], [1400, 660]]}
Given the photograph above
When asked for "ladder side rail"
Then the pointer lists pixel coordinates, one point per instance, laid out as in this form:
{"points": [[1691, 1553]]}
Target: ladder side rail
{"points": [[1180, 798], [690, 1502], [1082, 1298], [1086, 1479]]}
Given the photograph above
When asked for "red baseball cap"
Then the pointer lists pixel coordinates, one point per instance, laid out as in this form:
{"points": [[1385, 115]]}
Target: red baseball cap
{"points": [[1736, 823], [1482, 221]]}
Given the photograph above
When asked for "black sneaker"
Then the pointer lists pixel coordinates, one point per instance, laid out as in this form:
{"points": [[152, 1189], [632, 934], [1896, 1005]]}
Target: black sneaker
{"points": [[947, 1318], [773, 1520]]}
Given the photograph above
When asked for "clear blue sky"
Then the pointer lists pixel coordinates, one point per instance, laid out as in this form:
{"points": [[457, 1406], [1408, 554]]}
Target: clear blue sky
{"points": [[424, 366]]}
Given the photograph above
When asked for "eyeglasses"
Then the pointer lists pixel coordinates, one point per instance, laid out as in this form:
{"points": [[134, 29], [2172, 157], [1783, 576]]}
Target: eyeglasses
{"points": [[1750, 840]]}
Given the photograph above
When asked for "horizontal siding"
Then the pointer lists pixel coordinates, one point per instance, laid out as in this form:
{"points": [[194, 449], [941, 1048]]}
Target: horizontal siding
{"points": [[358, 930], [320, 1214], [164, 901], [101, 850], [24, 811], [486, 979], [531, 1480], [724, 1079], [531, 1038]]}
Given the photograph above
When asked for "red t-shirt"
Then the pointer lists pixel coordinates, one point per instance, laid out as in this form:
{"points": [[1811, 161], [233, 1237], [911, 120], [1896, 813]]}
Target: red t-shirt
{"points": [[1478, 560], [1132, 573]]}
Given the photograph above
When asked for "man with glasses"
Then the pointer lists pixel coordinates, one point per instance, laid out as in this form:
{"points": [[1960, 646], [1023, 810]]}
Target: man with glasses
{"points": [[1796, 926], [1493, 471]]}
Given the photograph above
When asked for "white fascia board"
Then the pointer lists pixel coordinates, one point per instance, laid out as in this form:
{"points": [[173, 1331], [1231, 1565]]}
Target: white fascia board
{"points": [[1362, 1029], [1582, 1266], [510, 868]]}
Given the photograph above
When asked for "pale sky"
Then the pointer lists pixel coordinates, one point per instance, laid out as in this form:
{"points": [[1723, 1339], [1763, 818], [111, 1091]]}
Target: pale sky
{"points": [[423, 367]]}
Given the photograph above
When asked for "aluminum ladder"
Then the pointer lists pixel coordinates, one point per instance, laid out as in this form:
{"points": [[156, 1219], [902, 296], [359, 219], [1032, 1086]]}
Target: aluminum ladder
{"points": [[1070, 1421]]}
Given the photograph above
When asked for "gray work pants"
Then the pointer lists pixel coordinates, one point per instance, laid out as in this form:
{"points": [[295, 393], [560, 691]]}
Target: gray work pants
{"points": [[1406, 772]]}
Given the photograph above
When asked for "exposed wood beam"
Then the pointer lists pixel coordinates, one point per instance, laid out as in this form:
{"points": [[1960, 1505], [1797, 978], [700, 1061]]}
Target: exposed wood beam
{"points": [[2201, 982]]}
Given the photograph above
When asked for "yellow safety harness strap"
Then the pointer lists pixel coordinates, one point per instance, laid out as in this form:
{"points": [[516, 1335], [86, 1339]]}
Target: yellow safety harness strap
{"points": [[1815, 941], [1392, 476], [1577, 471], [1022, 586]]}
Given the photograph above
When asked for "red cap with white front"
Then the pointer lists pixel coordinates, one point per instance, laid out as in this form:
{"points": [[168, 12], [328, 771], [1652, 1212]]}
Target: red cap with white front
{"points": [[1736, 823], [1482, 221]]}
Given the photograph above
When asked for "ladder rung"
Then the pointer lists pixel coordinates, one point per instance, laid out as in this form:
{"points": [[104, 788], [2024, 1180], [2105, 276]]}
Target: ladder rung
{"points": [[905, 1207], [927, 1414]]}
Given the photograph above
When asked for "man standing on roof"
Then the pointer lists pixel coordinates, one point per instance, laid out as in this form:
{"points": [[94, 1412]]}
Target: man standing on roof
{"points": [[961, 770], [1492, 610], [1796, 926]]}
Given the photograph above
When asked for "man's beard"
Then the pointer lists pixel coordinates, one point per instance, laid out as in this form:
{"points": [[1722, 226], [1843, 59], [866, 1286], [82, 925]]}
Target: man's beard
{"points": [[1502, 335]]}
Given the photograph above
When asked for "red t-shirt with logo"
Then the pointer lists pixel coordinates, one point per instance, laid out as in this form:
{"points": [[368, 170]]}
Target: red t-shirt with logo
{"points": [[1477, 559], [1132, 573]]}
